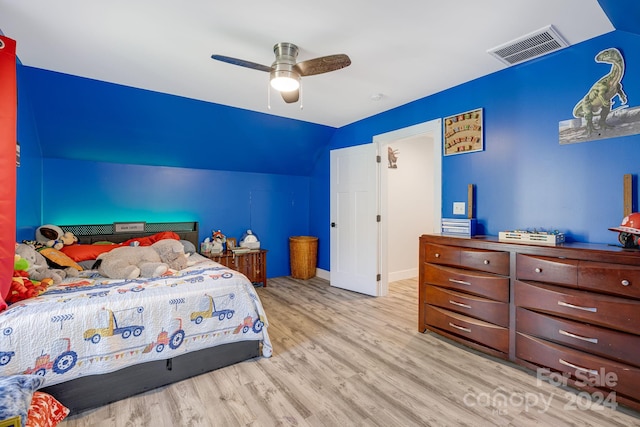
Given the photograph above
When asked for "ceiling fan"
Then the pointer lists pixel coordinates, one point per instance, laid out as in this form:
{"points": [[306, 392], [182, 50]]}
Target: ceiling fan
{"points": [[286, 73]]}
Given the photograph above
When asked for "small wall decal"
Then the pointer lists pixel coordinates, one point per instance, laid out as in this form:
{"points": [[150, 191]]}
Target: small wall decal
{"points": [[603, 111], [392, 155]]}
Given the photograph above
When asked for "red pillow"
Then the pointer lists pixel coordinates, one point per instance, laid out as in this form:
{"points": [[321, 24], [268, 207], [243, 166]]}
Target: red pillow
{"points": [[80, 252], [45, 411], [149, 240]]}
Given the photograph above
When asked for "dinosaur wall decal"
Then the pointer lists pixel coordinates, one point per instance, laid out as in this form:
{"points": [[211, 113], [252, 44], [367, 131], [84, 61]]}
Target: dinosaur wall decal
{"points": [[599, 99]]}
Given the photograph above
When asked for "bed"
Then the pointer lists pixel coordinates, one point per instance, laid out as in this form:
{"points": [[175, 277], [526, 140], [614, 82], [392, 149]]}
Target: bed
{"points": [[97, 340]]}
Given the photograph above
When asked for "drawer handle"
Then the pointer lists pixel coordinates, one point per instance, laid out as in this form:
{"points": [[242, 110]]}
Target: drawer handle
{"points": [[459, 304], [538, 270], [453, 325], [437, 255], [460, 282], [577, 307], [625, 283], [569, 334], [578, 368], [486, 262]]}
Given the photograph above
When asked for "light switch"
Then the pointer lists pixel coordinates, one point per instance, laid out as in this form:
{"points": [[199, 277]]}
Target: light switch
{"points": [[458, 208]]}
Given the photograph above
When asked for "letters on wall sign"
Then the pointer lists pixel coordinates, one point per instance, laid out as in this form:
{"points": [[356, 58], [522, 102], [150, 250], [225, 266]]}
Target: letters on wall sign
{"points": [[8, 139]]}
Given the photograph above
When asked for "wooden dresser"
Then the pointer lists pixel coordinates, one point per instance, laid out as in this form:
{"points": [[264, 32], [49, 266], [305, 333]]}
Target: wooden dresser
{"points": [[572, 310]]}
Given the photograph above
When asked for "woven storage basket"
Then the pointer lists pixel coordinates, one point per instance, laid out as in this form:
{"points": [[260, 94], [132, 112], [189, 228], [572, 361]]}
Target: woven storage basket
{"points": [[303, 255]]}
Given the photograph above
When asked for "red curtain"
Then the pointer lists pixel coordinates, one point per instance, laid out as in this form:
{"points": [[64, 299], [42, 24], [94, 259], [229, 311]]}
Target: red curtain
{"points": [[8, 140]]}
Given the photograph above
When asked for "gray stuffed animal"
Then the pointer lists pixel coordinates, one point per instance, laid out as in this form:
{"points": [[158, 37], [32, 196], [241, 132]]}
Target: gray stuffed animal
{"points": [[130, 262], [38, 267]]}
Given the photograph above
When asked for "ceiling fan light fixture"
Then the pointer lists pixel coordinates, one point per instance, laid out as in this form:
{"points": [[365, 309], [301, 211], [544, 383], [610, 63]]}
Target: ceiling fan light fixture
{"points": [[285, 80]]}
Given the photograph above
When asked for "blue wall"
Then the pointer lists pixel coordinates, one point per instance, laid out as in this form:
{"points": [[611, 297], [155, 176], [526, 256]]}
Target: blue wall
{"points": [[524, 178], [273, 206], [114, 153], [29, 174]]}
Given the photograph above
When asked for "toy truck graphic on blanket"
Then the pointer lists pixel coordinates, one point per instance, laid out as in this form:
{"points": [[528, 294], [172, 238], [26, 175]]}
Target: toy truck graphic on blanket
{"points": [[207, 309], [173, 341], [121, 322], [65, 359], [5, 357]]}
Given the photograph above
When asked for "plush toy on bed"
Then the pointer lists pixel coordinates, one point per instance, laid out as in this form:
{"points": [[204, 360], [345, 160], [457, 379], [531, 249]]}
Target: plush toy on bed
{"points": [[38, 267], [130, 262], [22, 287], [54, 237]]}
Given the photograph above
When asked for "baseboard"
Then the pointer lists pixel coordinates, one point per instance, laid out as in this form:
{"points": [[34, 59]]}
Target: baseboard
{"points": [[402, 275], [323, 274], [398, 275]]}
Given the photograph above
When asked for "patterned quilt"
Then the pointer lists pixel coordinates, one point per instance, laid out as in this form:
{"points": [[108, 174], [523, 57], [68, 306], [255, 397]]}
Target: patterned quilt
{"points": [[92, 325]]}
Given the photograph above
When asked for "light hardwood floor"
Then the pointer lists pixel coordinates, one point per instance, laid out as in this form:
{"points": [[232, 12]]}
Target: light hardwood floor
{"points": [[343, 359]]}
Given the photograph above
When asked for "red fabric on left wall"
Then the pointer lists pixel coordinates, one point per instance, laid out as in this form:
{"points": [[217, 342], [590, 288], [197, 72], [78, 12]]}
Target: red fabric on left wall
{"points": [[8, 140]]}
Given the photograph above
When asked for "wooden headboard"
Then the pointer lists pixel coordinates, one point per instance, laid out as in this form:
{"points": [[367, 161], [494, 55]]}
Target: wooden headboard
{"points": [[120, 231]]}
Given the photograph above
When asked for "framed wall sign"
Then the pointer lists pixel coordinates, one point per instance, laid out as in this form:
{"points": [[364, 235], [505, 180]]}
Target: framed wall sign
{"points": [[128, 227], [463, 133]]}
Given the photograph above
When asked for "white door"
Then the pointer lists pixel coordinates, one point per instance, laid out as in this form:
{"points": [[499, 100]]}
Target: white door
{"points": [[354, 225]]}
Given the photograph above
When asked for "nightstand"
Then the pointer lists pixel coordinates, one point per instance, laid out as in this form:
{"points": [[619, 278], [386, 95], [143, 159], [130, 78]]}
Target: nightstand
{"points": [[252, 264]]}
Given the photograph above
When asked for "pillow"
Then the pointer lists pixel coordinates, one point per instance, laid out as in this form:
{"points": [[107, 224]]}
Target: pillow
{"points": [[58, 259], [189, 248], [149, 240], [84, 252], [16, 392], [87, 264], [45, 411]]}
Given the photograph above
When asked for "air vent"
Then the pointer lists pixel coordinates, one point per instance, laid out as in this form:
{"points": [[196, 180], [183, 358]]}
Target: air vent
{"points": [[533, 45]]}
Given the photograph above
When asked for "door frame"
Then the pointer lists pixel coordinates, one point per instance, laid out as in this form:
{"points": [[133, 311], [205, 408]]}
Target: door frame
{"points": [[433, 129]]}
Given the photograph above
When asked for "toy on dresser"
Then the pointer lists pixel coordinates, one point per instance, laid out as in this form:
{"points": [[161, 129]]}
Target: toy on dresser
{"points": [[249, 240], [214, 244]]}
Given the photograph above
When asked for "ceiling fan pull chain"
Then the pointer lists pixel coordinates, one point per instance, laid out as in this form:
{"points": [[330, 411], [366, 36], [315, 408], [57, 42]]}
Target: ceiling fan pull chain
{"points": [[301, 98], [268, 97]]}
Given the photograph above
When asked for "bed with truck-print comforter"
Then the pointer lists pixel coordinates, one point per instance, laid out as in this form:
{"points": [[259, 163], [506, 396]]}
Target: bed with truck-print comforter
{"points": [[93, 325]]}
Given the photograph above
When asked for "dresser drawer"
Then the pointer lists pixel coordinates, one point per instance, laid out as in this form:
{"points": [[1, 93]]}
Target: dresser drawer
{"points": [[616, 279], [440, 254], [470, 305], [596, 309], [588, 369], [475, 282], [592, 339], [547, 269], [490, 261], [469, 328]]}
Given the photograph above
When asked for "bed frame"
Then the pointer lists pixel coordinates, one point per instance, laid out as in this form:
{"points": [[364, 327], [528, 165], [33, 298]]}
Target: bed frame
{"points": [[98, 390]]}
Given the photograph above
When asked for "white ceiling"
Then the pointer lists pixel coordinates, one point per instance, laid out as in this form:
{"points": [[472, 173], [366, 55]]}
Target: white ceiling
{"points": [[404, 50]]}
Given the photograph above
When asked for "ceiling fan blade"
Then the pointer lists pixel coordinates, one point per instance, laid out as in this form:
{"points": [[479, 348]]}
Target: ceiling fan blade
{"points": [[323, 64], [242, 63], [291, 97]]}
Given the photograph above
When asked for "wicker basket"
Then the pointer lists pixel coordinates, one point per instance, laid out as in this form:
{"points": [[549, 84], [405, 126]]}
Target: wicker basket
{"points": [[303, 255]]}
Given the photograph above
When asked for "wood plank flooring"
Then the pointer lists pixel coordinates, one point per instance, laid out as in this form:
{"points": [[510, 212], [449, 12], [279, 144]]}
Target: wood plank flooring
{"points": [[345, 359]]}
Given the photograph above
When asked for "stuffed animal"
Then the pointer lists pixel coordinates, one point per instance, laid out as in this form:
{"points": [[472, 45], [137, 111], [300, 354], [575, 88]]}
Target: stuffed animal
{"points": [[54, 237], [130, 262], [172, 253], [38, 267], [22, 287]]}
